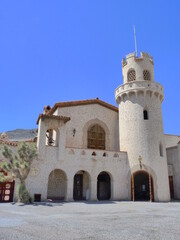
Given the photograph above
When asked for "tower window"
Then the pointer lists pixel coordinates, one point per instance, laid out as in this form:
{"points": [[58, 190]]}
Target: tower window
{"points": [[131, 75], [146, 75], [145, 113], [161, 150]]}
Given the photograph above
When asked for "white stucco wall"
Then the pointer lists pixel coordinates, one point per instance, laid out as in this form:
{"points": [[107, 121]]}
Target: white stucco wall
{"points": [[171, 140], [71, 154], [75, 160], [173, 158], [141, 137], [82, 117]]}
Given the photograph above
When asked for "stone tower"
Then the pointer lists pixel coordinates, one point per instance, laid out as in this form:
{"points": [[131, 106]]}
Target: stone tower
{"points": [[141, 129]]}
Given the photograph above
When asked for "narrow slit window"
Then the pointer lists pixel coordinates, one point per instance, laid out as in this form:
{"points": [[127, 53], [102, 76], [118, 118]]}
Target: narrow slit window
{"points": [[161, 150], [145, 113]]}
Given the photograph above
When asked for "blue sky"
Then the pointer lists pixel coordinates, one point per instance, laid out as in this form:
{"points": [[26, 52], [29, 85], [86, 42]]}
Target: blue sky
{"points": [[52, 51]]}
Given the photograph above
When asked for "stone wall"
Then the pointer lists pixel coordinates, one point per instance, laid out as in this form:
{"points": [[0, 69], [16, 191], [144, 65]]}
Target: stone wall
{"points": [[171, 140], [173, 158], [82, 117], [75, 160]]}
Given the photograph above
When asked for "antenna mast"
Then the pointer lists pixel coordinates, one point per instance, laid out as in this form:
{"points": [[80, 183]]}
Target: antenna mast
{"points": [[135, 40]]}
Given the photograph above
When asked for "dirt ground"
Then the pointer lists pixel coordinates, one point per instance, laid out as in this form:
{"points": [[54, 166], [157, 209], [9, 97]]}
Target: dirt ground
{"points": [[90, 220]]}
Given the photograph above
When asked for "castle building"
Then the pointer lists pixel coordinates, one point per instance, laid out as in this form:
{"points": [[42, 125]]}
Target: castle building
{"points": [[91, 150]]}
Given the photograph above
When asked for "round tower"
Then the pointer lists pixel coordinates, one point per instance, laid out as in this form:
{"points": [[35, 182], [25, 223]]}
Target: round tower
{"points": [[141, 129]]}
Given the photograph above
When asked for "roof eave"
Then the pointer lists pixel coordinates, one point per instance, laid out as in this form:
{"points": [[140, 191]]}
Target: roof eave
{"points": [[45, 116]]}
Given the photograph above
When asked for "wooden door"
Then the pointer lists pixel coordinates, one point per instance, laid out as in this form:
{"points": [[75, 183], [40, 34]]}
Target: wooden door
{"points": [[78, 187], [142, 186], [103, 186], [171, 187], [6, 191]]}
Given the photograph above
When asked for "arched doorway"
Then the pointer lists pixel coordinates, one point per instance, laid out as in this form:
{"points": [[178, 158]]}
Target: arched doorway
{"points": [[142, 186], [103, 186], [57, 185], [81, 187]]}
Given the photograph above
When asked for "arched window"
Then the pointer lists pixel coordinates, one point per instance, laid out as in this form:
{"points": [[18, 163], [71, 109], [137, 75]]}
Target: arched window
{"points": [[145, 114], [146, 75], [96, 137], [161, 150], [131, 76], [51, 137]]}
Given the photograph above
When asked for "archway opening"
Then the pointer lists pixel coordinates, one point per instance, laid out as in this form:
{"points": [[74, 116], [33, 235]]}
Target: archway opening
{"points": [[142, 186], [81, 187], [52, 137], [57, 185], [103, 186]]}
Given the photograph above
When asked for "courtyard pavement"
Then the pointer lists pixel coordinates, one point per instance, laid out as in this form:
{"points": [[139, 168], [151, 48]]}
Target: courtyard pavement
{"points": [[89, 221]]}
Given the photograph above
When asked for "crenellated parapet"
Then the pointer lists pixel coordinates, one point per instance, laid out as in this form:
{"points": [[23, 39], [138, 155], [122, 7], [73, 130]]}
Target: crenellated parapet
{"points": [[138, 68], [132, 56], [138, 78]]}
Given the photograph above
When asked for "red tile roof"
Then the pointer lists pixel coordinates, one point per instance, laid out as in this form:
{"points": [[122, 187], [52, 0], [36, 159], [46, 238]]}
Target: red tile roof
{"points": [[7, 142], [82, 102], [15, 143], [43, 116]]}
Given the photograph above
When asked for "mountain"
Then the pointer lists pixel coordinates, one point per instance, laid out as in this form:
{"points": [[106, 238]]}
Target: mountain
{"points": [[21, 134]]}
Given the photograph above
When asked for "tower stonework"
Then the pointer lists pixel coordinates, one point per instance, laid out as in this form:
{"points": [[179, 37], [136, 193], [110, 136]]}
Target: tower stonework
{"points": [[141, 132]]}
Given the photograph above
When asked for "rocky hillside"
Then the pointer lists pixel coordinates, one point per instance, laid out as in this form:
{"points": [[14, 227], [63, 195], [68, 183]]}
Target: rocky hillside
{"points": [[21, 134]]}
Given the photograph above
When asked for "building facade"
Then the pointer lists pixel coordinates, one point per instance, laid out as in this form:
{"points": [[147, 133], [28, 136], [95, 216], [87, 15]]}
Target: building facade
{"points": [[91, 150]]}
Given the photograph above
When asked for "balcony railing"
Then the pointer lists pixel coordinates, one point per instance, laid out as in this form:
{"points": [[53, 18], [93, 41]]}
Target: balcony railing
{"points": [[137, 85]]}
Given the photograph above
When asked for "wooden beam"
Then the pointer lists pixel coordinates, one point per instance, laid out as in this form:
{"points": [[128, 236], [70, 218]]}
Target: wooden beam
{"points": [[150, 188], [132, 187]]}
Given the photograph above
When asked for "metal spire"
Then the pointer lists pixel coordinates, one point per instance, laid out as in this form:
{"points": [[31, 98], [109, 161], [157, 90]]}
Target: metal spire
{"points": [[135, 41]]}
